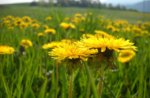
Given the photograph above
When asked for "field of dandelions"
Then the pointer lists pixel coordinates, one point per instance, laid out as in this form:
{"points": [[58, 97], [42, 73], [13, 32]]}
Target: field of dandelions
{"points": [[76, 54]]}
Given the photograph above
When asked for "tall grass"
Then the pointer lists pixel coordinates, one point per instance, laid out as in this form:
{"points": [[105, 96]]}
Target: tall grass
{"points": [[36, 75]]}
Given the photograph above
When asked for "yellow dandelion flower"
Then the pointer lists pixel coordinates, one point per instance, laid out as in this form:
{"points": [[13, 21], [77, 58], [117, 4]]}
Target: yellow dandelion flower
{"points": [[40, 34], [50, 31], [103, 34], [64, 25], [120, 44], [67, 25], [112, 28], [78, 15], [72, 26], [6, 49], [35, 25], [48, 18], [26, 43], [126, 56], [98, 42], [26, 19], [50, 45], [71, 51], [45, 26], [17, 22], [23, 25], [57, 44]]}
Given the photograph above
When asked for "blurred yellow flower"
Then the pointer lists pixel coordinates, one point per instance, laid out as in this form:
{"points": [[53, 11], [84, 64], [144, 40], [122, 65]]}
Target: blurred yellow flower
{"points": [[78, 15], [112, 28], [77, 18], [45, 26], [6, 49], [40, 34], [57, 44], [125, 55], [67, 25], [50, 45], [26, 43], [23, 25], [48, 18], [103, 34], [35, 25], [26, 19], [50, 31]]}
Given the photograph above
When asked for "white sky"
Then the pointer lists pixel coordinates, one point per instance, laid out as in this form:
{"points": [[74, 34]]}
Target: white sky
{"points": [[104, 1], [121, 1]]}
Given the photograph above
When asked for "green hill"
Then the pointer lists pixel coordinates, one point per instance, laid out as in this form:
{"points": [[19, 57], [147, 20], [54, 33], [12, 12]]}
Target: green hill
{"points": [[39, 12]]}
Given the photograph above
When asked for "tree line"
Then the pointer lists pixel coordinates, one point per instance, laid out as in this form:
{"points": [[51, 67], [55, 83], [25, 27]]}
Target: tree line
{"points": [[79, 3]]}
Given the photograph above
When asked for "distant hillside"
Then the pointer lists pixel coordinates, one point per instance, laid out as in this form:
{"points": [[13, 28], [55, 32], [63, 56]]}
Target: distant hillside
{"points": [[143, 6]]}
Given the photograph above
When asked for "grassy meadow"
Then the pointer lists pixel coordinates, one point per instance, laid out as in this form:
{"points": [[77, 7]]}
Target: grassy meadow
{"points": [[54, 52]]}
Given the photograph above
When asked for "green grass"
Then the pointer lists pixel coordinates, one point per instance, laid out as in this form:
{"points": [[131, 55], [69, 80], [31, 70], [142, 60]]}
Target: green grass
{"points": [[37, 12], [36, 75]]}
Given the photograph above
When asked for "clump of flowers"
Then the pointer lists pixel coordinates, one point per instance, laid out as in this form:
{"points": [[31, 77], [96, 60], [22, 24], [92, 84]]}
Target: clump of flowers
{"points": [[21, 22], [102, 43], [4, 49], [106, 43]]}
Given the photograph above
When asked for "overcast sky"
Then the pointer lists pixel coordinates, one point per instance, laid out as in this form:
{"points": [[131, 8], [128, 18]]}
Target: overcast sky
{"points": [[104, 1]]}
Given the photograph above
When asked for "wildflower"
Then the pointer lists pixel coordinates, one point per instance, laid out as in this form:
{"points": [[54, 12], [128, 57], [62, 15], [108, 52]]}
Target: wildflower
{"points": [[26, 19], [67, 25], [95, 43], [26, 43], [23, 25], [73, 52], [50, 45], [78, 15], [112, 28], [56, 44], [121, 44], [77, 18], [126, 55], [35, 25], [48, 18], [40, 34], [6, 49], [50, 31], [103, 34], [17, 22], [99, 42]]}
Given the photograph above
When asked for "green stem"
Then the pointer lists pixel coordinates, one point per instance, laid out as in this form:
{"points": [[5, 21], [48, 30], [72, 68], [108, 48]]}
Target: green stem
{"points": [[88, 89], [57, 77], [106, 85], [91, 81], [70, 87]]}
